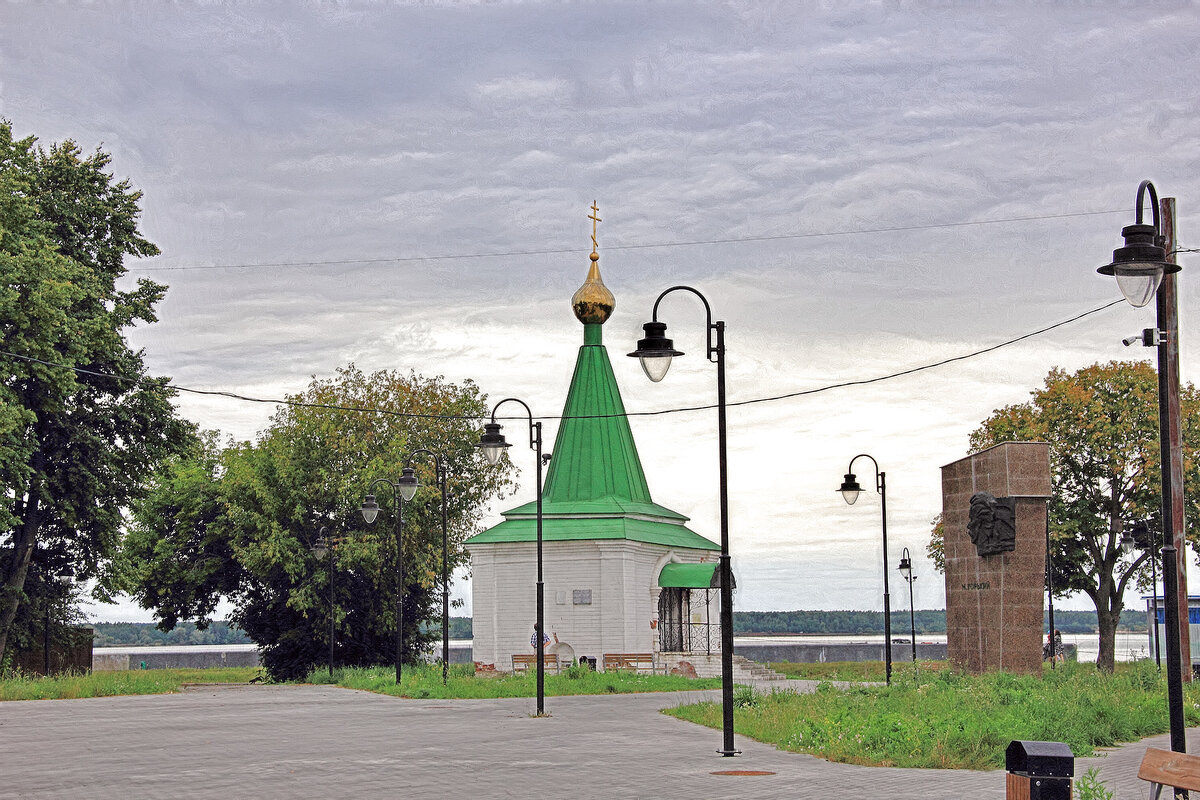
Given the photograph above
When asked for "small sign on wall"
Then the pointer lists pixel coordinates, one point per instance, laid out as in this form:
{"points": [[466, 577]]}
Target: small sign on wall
{"points": [[581, 597]]}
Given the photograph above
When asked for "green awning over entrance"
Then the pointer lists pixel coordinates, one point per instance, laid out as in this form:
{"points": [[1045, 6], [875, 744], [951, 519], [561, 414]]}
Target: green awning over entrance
{"points": [[690, 576]]}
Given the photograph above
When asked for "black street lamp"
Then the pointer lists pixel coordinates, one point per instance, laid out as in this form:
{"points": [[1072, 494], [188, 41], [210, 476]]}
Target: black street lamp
{"points": [[1141, 268], [492, 443], [370, 510], [906, 571], [850, 491], [321, 548], [408, 490], [655, 353], [1141, 536]]}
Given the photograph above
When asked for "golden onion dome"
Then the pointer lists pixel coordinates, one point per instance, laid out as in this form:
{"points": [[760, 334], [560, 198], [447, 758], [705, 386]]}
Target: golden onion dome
{"points": [[593, 302]]}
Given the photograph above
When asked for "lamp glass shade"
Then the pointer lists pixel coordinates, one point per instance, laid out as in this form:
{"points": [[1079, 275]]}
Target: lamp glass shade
{"points": [[850, 489], [320, 547], [370, 509], [655, 367], [1127, 543], [906, 568], [408, 484], [1138, 286]]}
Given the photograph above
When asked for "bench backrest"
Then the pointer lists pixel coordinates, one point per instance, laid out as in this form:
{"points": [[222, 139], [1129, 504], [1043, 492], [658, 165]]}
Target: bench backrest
{"points": [[1168, 768], [628, 660], [525, 660]]}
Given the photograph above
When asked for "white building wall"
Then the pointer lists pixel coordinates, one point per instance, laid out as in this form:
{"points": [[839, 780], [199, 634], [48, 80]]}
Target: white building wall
{"points": [[601, 596]]}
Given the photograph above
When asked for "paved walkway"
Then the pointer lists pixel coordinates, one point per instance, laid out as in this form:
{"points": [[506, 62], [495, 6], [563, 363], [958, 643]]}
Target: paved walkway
{"points": [[322, 742]]}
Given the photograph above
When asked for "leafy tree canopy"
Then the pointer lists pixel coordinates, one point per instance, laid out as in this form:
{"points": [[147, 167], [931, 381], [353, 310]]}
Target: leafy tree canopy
{"points": [[81, 425], [237, 522]]}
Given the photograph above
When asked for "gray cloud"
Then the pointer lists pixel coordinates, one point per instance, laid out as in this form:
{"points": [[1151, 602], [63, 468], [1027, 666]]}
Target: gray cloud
{"points": [[280, 132]]}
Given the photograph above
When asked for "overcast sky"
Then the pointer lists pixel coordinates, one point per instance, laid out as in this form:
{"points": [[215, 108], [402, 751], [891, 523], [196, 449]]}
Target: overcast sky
{"points": [[857, 190]]}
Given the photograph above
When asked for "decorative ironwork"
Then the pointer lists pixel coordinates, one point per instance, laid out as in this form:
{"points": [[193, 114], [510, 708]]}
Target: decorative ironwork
{"points": [[676, 634]]}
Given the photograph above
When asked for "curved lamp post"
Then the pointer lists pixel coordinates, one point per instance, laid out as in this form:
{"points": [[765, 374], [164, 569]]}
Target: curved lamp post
{"points": [[408, 490], [1142, 537], [906, 571], [492, 443], [655, 353], [1139, 268], [370, 510], [320, 548], [850, 491]]}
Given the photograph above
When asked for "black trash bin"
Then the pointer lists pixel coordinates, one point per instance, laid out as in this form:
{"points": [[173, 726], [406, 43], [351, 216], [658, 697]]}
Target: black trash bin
{"points": [[1038, 770]]}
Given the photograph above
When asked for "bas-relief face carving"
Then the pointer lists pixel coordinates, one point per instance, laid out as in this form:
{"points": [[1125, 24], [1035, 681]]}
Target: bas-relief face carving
{"points": [[992, 524]]}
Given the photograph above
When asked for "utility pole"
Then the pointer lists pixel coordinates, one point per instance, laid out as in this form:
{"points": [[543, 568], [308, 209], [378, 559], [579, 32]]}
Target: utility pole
{"points": [[1170, 433]]}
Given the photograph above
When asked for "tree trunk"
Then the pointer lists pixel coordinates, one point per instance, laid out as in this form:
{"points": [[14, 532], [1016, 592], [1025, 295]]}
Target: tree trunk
{"points": [[24, 540], [1107, 620], [14, 584]]}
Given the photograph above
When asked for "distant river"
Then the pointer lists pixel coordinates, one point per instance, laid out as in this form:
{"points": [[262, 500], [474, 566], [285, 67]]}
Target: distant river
{"points": [[1129, 646]]}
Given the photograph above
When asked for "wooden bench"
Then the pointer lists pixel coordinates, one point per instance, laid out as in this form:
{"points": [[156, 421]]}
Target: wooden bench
{"points": [[526, 661], [1168, 768], [637, 662]]}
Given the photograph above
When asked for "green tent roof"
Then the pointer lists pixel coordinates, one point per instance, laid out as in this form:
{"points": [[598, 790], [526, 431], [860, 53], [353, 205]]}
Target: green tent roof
{"points": [[690, 576], [595, 487], [595, 458]]}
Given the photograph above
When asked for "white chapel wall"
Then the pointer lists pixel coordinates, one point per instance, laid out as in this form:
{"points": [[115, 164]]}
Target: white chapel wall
{"points": [[601, 596]]}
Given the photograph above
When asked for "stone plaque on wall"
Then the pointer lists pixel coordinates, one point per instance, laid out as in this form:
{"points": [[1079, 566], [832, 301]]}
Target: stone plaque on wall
{"points": [[994, 527]]}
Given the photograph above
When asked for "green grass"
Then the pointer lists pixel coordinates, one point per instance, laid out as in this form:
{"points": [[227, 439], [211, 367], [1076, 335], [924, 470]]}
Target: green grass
{"points": [[942, 719], [419, 682], [108, 684], [860, 671], [426, 681]]}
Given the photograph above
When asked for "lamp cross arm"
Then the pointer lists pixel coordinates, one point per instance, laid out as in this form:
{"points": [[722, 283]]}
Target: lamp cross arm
{"points": [[716, 330]]}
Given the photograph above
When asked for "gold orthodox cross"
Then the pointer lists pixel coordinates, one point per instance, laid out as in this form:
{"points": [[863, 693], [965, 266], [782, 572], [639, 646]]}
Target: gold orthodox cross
{"points": [[594, 217]]}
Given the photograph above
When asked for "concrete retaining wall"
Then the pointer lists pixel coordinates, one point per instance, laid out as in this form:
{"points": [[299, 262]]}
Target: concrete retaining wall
{"points": [[172, 658], [808, 653]]}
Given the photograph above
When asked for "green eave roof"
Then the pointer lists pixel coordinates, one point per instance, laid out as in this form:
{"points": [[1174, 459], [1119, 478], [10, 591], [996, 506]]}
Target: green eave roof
{"points": [[601, 505], [690, 576], [559, 529]]}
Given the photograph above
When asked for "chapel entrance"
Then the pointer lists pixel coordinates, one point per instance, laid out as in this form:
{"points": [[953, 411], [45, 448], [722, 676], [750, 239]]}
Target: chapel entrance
{"points": [[671, 616], [688, 618]]}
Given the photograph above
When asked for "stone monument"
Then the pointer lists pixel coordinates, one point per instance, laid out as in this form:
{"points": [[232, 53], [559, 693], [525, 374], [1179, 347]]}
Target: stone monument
{"points": [[994, 533]]}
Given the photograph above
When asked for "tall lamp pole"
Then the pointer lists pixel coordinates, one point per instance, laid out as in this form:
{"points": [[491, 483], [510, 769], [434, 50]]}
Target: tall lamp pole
{"points": [[850, 491], [370, 510], [492, 443], [408, 490], [906, 571], [655, 353], [321, 548], [1144, 270]]}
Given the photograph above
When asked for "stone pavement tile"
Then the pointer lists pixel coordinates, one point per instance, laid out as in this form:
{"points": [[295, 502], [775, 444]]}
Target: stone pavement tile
{"points": [[323, 742]]}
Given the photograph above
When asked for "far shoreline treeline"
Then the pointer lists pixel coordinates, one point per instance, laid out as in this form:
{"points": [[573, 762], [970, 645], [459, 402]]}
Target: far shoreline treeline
{"points": [[745, 623]]}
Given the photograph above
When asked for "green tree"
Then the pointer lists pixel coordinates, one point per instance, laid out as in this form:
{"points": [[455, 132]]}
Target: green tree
{"points": [[1102, 426], [238, 522], [81, 426]]}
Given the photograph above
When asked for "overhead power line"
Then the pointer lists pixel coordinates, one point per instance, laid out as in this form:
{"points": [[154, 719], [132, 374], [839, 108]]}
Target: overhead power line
{"points": [[634, 246], [412, 414]]}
